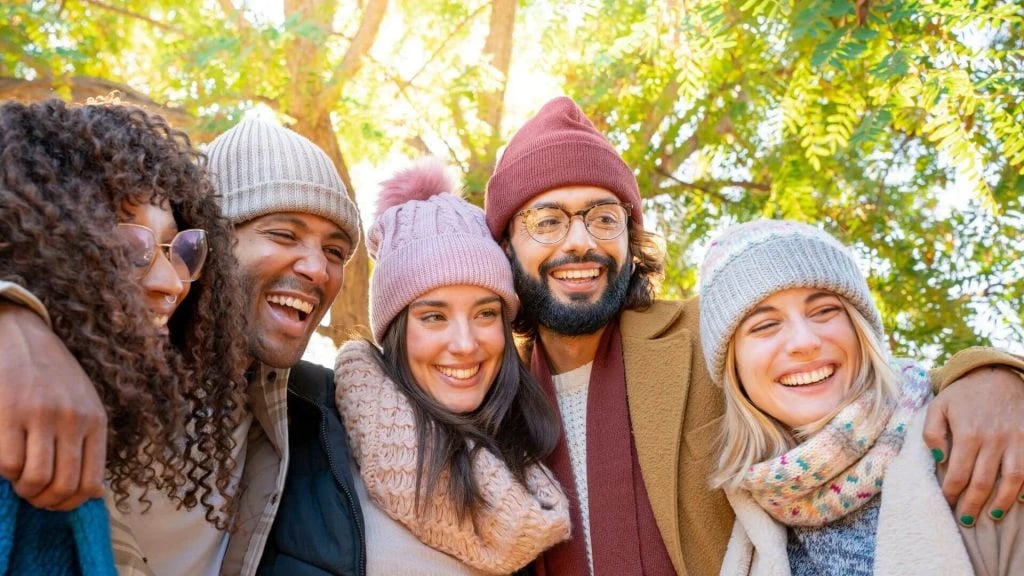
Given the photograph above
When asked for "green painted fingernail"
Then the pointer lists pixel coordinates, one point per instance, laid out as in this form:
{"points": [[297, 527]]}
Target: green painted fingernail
{"points": [[967, 520], [997, 513], [937, 454]]}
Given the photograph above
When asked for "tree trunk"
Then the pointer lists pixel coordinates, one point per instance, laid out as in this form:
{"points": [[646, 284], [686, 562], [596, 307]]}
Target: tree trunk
{"points": [[492, 104], [310, 102], [349, 315]]}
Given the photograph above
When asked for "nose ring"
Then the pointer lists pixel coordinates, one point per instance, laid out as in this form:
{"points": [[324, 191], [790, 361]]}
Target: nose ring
{"points": [[171, 298]]}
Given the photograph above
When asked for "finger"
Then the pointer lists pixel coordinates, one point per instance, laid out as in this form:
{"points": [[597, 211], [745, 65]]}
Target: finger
{"points": [[63, 492], [936, 427], [981, 486], [1009, 488], [960, 467], [12, 452], [94, 461], [38, 470]]}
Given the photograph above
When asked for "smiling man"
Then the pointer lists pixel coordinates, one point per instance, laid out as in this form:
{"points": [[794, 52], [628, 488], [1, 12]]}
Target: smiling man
{"points": [[295, 229], [639, 411]]}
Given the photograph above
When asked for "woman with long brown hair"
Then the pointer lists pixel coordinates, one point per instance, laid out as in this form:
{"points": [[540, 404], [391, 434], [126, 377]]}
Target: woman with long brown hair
{"points": [[447, 427], [107, 216]]}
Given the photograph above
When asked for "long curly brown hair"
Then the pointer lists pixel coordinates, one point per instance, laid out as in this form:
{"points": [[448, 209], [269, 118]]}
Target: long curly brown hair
{"points": [[172, 403]]}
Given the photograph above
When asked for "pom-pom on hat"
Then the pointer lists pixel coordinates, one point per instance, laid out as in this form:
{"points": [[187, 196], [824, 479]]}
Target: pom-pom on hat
{"points": [[557, 147], [425, 236], [751, 261], [262, 168]]}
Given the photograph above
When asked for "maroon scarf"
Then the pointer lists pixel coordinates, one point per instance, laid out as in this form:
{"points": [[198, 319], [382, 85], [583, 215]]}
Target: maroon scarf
{"points": [[624, 535]]}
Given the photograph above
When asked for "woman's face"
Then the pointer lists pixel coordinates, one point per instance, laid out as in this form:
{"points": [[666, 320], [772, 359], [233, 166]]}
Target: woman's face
{"points": [[797, 354], [455, 338], [161, 282]]}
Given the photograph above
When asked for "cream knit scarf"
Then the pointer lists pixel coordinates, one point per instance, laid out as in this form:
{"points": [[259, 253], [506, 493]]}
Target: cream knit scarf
{"points": [[840, 468], [517, 523]]}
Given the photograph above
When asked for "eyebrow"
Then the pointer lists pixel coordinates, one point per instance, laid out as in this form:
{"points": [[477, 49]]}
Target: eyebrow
{"points": [[595, 202], [444, 304], [815, 296]]}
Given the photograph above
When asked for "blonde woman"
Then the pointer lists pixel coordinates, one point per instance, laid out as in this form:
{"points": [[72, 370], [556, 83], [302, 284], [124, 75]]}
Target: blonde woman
{"points": [[819, 419]]}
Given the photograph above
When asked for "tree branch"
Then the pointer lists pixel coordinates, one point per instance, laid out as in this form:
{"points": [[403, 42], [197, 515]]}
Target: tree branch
{"points": [[135, 15], [710, 187], [373, 15], [85, 87], [472, 15]]}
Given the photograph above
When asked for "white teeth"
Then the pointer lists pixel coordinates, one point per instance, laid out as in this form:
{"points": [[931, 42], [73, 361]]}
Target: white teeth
{"points": [[576, 274], [459, 373], [804, 378], [300, 305], [160, 321]]}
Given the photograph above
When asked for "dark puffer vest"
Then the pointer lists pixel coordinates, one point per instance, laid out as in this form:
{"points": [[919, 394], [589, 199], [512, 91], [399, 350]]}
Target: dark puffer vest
{"points": [[318, 530]]}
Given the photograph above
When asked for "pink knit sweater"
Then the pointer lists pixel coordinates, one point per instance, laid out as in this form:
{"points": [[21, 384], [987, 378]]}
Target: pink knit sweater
{"points": [[517, 523]]}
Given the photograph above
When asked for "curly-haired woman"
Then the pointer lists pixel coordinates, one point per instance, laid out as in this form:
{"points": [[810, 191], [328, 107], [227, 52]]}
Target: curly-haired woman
{"points": [[107, 216]]}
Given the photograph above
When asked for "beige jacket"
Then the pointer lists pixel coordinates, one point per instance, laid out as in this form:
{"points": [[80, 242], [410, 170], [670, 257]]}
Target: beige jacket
{"points": [[917, 533]]}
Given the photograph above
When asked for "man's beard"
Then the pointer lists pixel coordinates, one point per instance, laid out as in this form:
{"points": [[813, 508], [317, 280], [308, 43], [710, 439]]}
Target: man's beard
{"points": [[577, 317]]}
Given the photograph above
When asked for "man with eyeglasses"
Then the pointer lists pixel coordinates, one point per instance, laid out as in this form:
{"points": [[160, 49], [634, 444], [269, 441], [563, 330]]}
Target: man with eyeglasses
{"points": [[295, 229], [639, 411]]}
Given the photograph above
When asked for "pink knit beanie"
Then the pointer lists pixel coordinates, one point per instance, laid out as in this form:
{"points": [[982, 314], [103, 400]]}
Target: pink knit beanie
{"points": [[426, 236], [557, 147]]}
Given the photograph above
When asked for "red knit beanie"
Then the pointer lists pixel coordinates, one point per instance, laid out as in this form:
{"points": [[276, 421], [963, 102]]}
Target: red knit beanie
{"points": [[557, 147]]}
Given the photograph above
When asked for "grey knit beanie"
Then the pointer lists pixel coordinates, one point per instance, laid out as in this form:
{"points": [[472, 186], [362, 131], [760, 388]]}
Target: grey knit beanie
{"points": [[262, 168], [749, 262]]}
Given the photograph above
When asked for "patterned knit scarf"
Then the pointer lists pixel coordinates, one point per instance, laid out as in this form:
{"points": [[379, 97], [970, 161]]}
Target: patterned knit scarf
{"points": [[840, 468]]}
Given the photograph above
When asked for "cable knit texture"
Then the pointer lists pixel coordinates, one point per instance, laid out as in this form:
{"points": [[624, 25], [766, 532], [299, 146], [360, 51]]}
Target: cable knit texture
{"points": [[425, 237], [517, 523]]}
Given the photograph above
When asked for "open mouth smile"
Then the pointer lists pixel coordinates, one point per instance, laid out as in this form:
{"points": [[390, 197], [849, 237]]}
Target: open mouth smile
{"points": [[300, 308], [809, 377], [459, 373]]}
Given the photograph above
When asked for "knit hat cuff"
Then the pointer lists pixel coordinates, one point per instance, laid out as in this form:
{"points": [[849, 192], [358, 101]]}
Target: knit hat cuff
{"points": [[776, 264], [554, 165], [444, 260], [264, 198]]}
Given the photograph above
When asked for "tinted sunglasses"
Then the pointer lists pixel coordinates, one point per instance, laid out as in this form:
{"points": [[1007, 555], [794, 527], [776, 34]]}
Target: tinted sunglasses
{"points": [[186, 252]]}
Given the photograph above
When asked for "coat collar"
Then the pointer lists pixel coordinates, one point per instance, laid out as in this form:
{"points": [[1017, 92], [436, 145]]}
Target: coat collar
{"points": [[649, 340]]}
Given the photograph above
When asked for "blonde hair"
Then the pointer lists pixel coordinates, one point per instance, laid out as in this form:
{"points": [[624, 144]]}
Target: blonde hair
{"points": [[750, 436]]}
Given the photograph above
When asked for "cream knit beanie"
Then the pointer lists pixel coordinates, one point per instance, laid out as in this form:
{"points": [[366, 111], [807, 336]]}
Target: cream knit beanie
{"points": [[262, 168], [749, 262]]}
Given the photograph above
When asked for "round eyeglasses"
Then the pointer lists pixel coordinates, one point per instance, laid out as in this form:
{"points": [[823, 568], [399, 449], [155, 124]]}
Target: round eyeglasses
{"points": [[186, 252], [550, 224]]}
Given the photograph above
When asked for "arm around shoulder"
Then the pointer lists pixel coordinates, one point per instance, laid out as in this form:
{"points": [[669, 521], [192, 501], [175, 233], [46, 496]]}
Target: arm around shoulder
{"points": [[971, 359], [53, 433]]}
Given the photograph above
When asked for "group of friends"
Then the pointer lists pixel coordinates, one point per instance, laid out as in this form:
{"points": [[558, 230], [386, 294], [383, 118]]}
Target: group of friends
{"points": [[526, 405]]}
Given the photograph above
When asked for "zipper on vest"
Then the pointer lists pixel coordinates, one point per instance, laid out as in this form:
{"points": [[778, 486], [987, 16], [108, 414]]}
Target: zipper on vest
{"points": [[348, 494]]}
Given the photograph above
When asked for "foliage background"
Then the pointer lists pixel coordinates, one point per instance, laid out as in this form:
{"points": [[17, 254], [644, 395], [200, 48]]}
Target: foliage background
{"points": [[896, 125]]}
